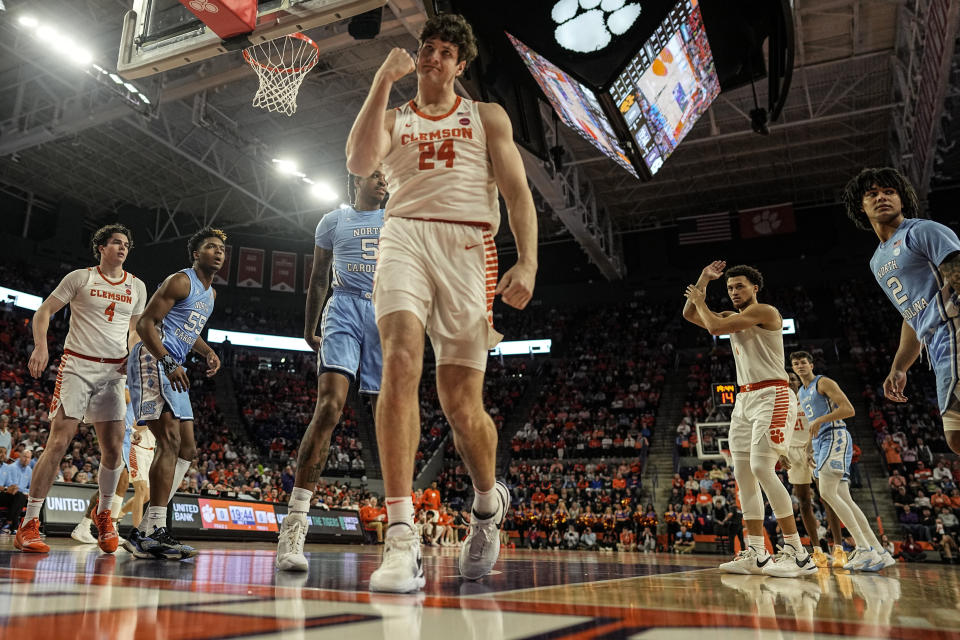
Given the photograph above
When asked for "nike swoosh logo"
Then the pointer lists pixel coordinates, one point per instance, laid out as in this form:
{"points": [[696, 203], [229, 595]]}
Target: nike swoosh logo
{"points": [[471, 246], [761, 565]]}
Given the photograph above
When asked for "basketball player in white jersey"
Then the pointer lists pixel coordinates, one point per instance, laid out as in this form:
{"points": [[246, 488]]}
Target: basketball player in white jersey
{"points": [[105, 304], [763, 415], [444, 157]]}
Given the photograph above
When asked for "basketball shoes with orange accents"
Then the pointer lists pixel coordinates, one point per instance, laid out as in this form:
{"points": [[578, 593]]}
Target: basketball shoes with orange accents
{"points": [[28, 537], [107, 537]]}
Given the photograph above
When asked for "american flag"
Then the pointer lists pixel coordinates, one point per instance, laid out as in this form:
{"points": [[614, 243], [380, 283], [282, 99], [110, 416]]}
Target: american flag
{"points": [[711, 227]]}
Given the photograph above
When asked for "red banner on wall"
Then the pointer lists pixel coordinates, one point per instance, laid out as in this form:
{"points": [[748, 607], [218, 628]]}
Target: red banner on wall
{"points": [[250, 268], [283, 271], [223, 276], [307, 270], [767, 221]]}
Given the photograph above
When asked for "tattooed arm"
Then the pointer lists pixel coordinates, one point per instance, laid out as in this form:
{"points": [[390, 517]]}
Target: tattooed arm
{"points": [[950, 269]]}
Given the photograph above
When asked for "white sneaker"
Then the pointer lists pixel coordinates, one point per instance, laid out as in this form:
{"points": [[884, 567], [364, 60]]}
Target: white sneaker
{"points": [[790, 563], [81, 532], [887, 559], [863, 560], [747, 562], [401, 570], [481, 548], [293, 532]]}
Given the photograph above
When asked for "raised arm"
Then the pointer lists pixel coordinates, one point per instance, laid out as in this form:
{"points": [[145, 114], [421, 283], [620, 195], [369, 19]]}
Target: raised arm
{"points": [[516, 286], [907, 353], [175, 288], [709, 273], [41, 323], [316, 292], [369, 139]]}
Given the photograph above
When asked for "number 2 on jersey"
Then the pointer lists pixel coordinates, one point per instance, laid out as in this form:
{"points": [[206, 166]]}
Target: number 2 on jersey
{"points": [[444, 153], [895, 284], [110, 310]]}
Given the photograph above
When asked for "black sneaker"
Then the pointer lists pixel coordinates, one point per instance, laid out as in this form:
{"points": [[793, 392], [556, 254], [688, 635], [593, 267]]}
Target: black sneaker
{"points": [[169, 547]]}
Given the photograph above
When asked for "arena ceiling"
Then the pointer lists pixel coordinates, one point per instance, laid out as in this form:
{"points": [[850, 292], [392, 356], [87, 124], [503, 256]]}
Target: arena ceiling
{"points": [[203, 154]]}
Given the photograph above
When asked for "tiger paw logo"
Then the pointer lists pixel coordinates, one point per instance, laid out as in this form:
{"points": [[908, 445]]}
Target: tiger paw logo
{"points": [[585, 26], [766, 222], [776, 436], [204, 5]]}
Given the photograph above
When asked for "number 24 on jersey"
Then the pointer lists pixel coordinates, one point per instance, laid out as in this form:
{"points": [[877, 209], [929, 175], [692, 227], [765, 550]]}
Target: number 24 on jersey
{"points": [[431, 154]]}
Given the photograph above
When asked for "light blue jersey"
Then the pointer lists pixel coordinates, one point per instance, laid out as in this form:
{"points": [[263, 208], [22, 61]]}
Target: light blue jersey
{"points": [[184, 323], [832, 447], [350, 343], [907, 268], [354, 238]]}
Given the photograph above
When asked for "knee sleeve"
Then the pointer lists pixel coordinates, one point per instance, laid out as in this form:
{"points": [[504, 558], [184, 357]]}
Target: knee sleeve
{"points": [[763, 468], [751, 501]]}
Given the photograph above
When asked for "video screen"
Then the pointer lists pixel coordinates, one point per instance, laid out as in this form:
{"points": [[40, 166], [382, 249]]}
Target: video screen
{"points": [[576, 105], [668, 85]]}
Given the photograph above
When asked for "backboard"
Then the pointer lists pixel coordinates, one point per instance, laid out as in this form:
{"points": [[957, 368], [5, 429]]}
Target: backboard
{"points": [[712, 438], [162, 34]]}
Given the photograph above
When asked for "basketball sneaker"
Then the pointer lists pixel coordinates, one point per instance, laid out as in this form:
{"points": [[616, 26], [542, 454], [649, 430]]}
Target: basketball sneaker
{"points": [[747, 562], [401, 570], [820, 558], [107, 537], [839, 557], [28, 537], [159, 544], [790, 563], [293, 532], [81, 532], [481, 547], [862, 559], [886, 558]]}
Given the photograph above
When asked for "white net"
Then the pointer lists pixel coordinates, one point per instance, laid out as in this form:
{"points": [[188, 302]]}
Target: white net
{"points": [[281, 65]]}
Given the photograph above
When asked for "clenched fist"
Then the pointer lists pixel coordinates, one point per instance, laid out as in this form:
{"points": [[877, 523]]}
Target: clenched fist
{"points": [[399, 63]]}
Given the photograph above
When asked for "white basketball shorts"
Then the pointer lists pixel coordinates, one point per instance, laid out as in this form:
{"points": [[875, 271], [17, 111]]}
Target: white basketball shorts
{"points": [[89, 390]]}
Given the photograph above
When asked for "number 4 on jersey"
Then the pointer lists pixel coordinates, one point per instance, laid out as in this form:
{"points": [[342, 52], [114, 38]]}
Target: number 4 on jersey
{"points": [[445, 153], [110, 310]]}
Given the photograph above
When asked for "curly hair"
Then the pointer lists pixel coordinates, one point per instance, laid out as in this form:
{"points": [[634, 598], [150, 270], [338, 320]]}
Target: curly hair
{"points": [[102, 236], [197, 239], [752, 275], [452, 28], [852, 196]]}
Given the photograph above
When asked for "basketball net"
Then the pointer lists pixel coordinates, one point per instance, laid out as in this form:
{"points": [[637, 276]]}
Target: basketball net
{"points": [[281, 65]]}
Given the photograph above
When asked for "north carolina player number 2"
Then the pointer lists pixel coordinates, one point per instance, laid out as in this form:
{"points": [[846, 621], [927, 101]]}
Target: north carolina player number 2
{"points": [[895, 284], [443, 153]]}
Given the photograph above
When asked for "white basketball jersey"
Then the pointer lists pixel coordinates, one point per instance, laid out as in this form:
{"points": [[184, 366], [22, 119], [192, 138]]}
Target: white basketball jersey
{"points": [[758, 353], [100, 311], [438, 167], [801, 430]]}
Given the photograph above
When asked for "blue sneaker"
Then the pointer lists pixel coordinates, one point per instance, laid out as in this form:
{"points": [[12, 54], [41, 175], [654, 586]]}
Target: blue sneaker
{"points": [[159, 544]]}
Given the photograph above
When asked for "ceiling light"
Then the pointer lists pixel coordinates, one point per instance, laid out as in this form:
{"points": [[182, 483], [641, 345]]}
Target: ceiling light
{"points": [[28, 21], [323, 191], [47, 33], [145, 99], [116, 78], [285, 166]]}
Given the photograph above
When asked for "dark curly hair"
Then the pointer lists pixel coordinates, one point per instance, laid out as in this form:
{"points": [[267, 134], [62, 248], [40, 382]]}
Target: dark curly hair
{"points": [[452, 28], [752, 275], [197, 239], [102, 236], [852, 196]]}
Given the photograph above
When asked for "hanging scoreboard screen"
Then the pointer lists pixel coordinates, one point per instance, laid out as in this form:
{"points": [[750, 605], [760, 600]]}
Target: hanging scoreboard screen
{"points": [[724, 394]]}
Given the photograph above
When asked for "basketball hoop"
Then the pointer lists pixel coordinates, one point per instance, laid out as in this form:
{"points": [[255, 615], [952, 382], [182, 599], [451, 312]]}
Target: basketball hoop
{"points": [[281, 65]]}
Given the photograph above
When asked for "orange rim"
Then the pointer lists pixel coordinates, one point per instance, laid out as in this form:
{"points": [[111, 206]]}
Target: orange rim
{"points": [[316, 56]]}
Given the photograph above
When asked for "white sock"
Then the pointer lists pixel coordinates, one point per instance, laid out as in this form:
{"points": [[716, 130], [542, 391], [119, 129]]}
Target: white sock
{"points": [[756, 543], [115, 505], [399, 510], [182, 467], [300, 500], [794, 541], [86, 522], [485, 502], [156, 517], [33, 508], [107, 480]]}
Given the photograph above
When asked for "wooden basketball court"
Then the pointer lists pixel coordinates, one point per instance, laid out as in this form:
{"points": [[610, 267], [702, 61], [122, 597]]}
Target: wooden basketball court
{"points": [[77, 592]]}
